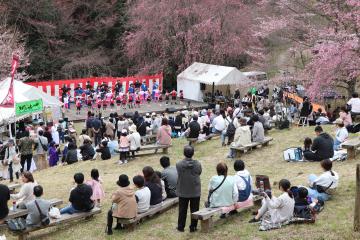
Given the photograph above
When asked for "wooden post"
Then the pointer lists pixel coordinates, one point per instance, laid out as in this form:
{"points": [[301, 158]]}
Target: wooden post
{"points": [[351, 153], [357, 201], [165, 150], [206, 225]]}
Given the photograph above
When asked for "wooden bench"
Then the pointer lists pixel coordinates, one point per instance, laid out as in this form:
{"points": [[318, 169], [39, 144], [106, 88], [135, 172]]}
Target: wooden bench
{"points": [[151, 147], [205, 215], [148, 139], [351, 147], [253, 145], [192, 141], [65, 218], [23, 212], [167, 204]]}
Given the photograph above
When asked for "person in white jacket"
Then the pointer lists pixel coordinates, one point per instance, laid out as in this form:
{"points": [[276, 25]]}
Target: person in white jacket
{"points": [[12, 160], [323, 186], [276, 211], [243, 181], [341, 134], [134, 139]]}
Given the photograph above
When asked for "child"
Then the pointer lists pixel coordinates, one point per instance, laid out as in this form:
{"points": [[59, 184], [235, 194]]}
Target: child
{"points": [[112, 103], [142, 194], [130, 100], [96, 185], [137, 100], [89, 102], [164, 195], [307, 144], [181, 96], [124, 99], [78, 105], [167, 97], [53, 155], [124, 146], [104, 103], [173, 96], [301, 208], [118, 102], [99, 103]]}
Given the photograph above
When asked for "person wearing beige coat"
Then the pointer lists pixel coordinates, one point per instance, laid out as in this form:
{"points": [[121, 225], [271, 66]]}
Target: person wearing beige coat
{"points": [[124, 203]]}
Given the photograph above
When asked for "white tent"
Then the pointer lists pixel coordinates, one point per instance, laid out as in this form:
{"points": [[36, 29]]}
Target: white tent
{"points": [[192, 78], [22, 93]]}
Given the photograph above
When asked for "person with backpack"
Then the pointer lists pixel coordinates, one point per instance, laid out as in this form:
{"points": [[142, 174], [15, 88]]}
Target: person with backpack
{"points": [[41, 150], [242, 137], [243, 181]]}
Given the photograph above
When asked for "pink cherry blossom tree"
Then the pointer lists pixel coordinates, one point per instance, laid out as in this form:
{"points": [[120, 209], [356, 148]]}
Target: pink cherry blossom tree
{"points": [[328, 32], [169, 35]]}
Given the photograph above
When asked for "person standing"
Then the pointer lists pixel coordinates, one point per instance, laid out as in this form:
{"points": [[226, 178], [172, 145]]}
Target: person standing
{"points": [[26, 150], [188, 188], [41, 149]]}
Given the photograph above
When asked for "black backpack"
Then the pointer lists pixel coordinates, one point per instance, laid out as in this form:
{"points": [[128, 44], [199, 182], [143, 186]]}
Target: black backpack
{"points": [[231, 129]]}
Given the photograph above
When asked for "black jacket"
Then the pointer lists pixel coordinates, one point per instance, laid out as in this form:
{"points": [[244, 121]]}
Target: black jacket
{"points": [[105, 153], [80, 198], [323, 146], [4, 198], [156, 192], [71, 156], [87, 152], [195, 128]]}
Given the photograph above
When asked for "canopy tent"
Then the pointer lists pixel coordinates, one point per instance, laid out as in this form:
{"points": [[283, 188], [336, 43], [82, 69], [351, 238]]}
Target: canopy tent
{"points": [[22, 93], [194, 79]]}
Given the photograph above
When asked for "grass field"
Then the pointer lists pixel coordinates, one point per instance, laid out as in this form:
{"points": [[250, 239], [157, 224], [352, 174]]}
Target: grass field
{"points": [[335, 222]]}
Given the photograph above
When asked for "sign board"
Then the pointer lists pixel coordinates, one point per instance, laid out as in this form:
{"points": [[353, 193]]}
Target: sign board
{"points": [[29, 107]]}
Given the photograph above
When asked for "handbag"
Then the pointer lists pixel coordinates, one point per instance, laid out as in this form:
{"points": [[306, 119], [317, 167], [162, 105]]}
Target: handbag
{"points": [[17, 224], [322, 189], [207, 203], [54, 213], [44, 219], [44, 147]]}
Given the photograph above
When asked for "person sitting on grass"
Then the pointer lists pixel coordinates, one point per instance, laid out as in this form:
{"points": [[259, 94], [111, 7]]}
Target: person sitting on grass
{"points": [[170, 176], [87, 151], [152, 181], [142, 194], [243, 181], [323, 186], [33, 218], [341, 134], [104, 150], [226, 193], [80, 197], [322, 147], [274, 211], [71, 155], [124, 203]]}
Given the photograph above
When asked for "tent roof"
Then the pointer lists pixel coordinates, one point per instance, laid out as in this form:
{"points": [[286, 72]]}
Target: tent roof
{"points": [[22, 93], [209, 74]]}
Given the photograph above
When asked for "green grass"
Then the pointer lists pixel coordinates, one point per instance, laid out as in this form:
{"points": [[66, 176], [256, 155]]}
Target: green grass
{"points": [[335, 222]]}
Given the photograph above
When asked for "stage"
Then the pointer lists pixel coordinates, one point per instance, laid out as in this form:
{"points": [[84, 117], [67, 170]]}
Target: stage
{"points": [[158, 107]]}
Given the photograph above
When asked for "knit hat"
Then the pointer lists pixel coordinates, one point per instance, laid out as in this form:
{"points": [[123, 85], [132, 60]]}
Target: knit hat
{"points": [[123, 181]]}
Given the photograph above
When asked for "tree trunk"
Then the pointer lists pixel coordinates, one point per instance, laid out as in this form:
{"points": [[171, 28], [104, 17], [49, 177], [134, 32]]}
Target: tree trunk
{"points": [[351, 86]]}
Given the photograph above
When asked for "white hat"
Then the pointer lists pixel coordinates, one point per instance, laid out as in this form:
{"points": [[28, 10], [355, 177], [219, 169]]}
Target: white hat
{"points": [[123, 130], [153, 114], [132, 128], [147, 114]]}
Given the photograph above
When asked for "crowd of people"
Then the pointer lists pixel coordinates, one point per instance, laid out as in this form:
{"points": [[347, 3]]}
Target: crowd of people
{"points": [[151, 188], [103, 96], [102, 138]]}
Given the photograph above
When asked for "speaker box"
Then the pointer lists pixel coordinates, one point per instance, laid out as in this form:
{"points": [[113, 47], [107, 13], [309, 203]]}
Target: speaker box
{"points": [[128, 114], [170, 110]]}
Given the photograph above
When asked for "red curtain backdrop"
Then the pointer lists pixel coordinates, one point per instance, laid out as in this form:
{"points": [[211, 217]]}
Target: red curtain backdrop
{"points": [[53, 87]]}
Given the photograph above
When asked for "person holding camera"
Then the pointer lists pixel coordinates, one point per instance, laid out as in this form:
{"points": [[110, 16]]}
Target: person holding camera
{"points": [[276, 210]]}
